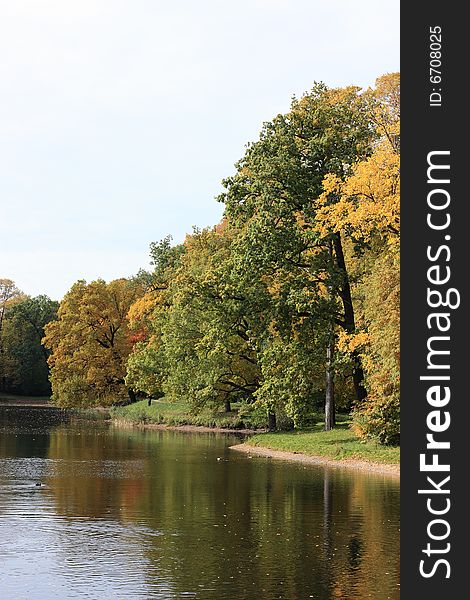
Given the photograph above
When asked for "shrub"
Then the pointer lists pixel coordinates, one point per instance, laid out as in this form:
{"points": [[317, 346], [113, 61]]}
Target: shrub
{"points": [[379, 419]]}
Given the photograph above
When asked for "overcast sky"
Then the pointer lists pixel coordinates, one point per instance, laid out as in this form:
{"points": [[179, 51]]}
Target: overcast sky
{"points": [[119, 118]]}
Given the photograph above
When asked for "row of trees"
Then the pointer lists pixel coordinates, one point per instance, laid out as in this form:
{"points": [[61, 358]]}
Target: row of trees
{"points": [[23, 360], [289, 304]]}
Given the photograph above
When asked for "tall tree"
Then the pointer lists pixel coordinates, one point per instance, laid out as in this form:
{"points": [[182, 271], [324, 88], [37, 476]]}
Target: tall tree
{"points": [[274, 198], [8, 294]]}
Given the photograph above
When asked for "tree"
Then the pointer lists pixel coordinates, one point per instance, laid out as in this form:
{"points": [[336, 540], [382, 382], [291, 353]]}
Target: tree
{"points": [[27, 371], [274, 199], [366, 210], [9, 295], [90, 343], [197, 348]]}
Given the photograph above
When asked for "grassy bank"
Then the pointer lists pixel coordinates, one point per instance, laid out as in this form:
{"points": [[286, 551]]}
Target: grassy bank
{"points": [[179, 413], [338, 444]]}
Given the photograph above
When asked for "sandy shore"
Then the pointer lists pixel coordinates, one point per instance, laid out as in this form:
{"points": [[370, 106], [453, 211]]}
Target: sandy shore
{"points": [[348, 463]]}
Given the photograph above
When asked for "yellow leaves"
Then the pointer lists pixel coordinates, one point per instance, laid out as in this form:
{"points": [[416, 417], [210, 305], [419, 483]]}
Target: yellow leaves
{"points": [[9, 296], [90, 341], [386, 97], [141, 309], [274, 287], [368, 202], [349, 343], [332, 185]]}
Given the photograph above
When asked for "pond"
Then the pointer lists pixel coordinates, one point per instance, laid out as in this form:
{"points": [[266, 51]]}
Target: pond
{"points": [[90, 510]]}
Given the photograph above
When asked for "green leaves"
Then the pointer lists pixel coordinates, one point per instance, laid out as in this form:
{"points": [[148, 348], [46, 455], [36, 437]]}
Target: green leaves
{"points": [[23, 363]]}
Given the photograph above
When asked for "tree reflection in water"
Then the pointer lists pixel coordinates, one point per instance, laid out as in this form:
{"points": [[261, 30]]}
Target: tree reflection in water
{"points": [[157, 511]]}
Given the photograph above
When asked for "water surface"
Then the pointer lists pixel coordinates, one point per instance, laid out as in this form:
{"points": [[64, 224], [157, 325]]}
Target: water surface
{"points": [[160, 514]]}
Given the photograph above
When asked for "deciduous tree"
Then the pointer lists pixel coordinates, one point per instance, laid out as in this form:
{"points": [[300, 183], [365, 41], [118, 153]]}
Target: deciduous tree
{"points": [[274, 198], [26, 371], [90, 343]]}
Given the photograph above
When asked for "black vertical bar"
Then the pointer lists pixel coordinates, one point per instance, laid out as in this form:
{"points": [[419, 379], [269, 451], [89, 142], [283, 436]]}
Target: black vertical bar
{"points": [[434, 119]]}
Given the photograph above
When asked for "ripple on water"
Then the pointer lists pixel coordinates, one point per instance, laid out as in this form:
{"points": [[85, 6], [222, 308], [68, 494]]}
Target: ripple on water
{"points": [[131, 515]]}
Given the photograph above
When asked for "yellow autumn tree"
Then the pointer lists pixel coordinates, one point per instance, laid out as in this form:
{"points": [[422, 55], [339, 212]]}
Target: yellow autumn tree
{"points": [[90, 343]]}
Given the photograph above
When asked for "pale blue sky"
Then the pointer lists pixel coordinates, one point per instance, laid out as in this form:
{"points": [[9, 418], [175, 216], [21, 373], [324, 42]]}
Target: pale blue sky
{"points": [[119, 118]]}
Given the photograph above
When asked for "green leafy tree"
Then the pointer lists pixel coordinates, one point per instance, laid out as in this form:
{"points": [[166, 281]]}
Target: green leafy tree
{"points": [[274, 198], [146, 368], [28, 372], [198, 348]]}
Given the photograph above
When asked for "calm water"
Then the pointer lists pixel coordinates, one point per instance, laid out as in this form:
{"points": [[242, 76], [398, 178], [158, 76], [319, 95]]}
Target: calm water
{"points": [[149, 514]]}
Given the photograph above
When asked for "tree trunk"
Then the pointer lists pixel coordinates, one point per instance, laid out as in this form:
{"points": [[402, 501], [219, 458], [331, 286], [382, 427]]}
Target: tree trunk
{"points": [[228, 408], [271, 421], [349, 322], [330, 386], [132, 396]]}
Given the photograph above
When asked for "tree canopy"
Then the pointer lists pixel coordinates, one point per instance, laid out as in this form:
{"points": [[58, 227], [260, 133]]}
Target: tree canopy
{"points": [[23, 360], [288, 306]]}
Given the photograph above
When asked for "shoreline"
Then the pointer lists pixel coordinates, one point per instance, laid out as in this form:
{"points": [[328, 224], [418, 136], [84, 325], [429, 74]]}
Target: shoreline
{"points": [[358, 464], [187, 428], [11, 400], [387, 469]]}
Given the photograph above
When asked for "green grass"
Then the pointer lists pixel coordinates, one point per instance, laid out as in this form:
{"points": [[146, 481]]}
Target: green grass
{"points": [[337, 444], [175, 413]]}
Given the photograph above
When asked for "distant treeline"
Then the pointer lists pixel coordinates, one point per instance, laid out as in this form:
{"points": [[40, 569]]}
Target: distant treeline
{"points": [[23, 360], [290, 305]]}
